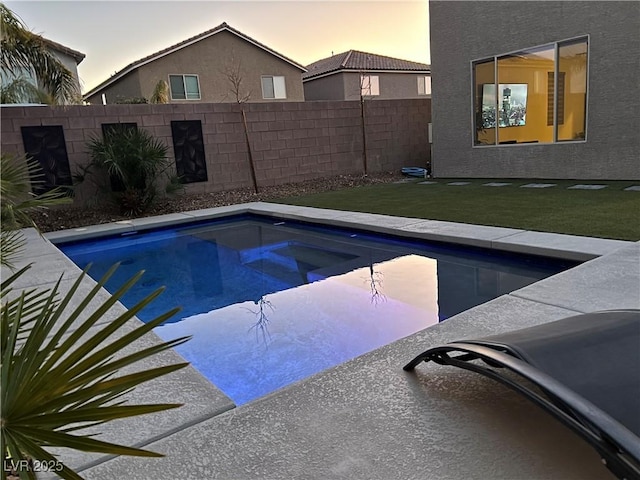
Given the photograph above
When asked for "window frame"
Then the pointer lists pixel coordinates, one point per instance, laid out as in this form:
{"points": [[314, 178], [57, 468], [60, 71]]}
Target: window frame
{"points": [[424, 85], [556, 48], [362, 87], [273, 84], [184, 84]]}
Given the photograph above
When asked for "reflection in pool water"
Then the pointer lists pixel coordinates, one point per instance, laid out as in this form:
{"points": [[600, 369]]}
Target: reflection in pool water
{"points": [[269, 304]]}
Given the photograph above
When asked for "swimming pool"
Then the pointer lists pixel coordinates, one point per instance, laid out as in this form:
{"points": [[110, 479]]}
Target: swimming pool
{"points": [[271, 302]]}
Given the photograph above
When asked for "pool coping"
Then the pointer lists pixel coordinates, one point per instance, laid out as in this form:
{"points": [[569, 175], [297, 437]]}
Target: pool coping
{"points": [[562, 295], [555, 245]]}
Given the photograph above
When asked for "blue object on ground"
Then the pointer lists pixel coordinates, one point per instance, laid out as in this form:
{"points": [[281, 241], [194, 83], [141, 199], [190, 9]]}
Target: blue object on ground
{"points": [[414, 171]]}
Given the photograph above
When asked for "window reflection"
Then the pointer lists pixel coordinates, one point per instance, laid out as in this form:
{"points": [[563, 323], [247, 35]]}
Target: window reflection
{"points": [[573, 66], [485, 104]]}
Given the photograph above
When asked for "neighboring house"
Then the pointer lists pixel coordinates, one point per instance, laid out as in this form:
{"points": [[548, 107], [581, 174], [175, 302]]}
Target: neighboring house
{"points": [[352, 74], [536, 89], [219, 65], [68, 57]]}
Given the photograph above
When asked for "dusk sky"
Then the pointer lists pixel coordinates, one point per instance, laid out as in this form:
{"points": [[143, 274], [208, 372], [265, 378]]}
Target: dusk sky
{"points": [[113, 34]]}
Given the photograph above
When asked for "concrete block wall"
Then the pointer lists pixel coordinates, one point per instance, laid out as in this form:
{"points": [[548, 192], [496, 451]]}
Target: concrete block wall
{"points": [[397, 131], [290, 141]]}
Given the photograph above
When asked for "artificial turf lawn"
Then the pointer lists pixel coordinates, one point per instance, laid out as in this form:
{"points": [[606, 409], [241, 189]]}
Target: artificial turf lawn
{"points": [[607, 213]]}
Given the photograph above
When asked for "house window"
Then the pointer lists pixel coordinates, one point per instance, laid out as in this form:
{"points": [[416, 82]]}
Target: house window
{"points": [[273, 87], [369, 85], [184, 87], [424, 85], [537, 95], [22, 84]]}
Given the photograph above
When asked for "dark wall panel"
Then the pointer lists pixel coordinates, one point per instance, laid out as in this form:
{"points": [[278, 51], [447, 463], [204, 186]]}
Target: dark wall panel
{"points": [[46, 145], [188, 147]]}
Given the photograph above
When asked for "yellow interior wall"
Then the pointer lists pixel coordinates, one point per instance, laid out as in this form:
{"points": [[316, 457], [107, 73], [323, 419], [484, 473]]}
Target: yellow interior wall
{"points": [[534, 74]]}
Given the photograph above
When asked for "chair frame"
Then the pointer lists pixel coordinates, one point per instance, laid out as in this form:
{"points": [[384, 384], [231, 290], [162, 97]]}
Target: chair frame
{"points": [[618, 447]]}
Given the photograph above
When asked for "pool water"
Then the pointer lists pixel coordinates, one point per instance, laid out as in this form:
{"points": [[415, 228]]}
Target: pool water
{"points": [[269, 303]]}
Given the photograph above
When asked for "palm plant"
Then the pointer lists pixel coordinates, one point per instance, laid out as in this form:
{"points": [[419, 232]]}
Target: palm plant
{"points": [[22, 50], [135, 161], [17, 202], [160, 92], [55, 381]]}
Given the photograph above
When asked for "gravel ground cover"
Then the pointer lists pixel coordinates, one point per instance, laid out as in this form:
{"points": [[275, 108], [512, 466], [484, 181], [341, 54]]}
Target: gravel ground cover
{"points": [[73, 217]]}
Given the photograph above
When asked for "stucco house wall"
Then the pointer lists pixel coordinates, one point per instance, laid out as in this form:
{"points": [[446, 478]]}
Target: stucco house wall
{"points": [[346, 86], [392, 85], [70, 62], [211, 57], [127, 87], [330, 87], [484, 29], [338, 77]]}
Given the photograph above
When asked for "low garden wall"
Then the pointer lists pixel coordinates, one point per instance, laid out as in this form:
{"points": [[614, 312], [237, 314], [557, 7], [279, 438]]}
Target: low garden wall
{"points": [[290, 141]]}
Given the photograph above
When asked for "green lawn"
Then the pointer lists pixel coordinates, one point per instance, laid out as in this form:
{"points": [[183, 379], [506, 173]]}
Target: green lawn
{"points": [[607, 213]]}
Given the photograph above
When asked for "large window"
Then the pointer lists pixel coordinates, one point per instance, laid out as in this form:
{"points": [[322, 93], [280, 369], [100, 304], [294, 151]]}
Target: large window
{"points": [[369, 85], [538, 95], [273, 87], [184, 87]]}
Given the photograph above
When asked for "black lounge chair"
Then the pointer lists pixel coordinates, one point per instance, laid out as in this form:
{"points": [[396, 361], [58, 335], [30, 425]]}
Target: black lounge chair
{"points": [[587, 371]]}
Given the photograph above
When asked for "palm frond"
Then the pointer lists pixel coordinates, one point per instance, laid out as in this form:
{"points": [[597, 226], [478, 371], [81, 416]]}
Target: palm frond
{"points": [[160, 93], [12, 243], [136, 160], [58, 379], [21, 49], [21, 90], [16, 199]]}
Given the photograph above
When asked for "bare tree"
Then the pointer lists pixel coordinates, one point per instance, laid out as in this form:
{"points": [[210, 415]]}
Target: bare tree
{"points": [[375, 285], [365, 94], [234, 74], [261, 326]]}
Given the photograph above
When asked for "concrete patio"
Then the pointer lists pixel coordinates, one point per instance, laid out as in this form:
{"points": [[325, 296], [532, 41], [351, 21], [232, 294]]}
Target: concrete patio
{"points": [[367, 418]]}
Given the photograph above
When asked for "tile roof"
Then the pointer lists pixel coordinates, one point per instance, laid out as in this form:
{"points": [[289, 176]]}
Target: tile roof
{"points": [[361, 61], [149, 58]]}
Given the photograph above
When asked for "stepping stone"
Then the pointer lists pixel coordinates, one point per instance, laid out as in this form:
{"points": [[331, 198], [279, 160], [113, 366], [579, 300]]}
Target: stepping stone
{"points": [[633, 188], [427, 183], [459, 183], [538, 185], [496, 184], [586, 187]]}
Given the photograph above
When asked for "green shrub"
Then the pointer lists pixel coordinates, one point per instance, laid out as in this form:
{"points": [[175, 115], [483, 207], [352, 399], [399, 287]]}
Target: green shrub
{"points": [[135, 162], [131, 100]]}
